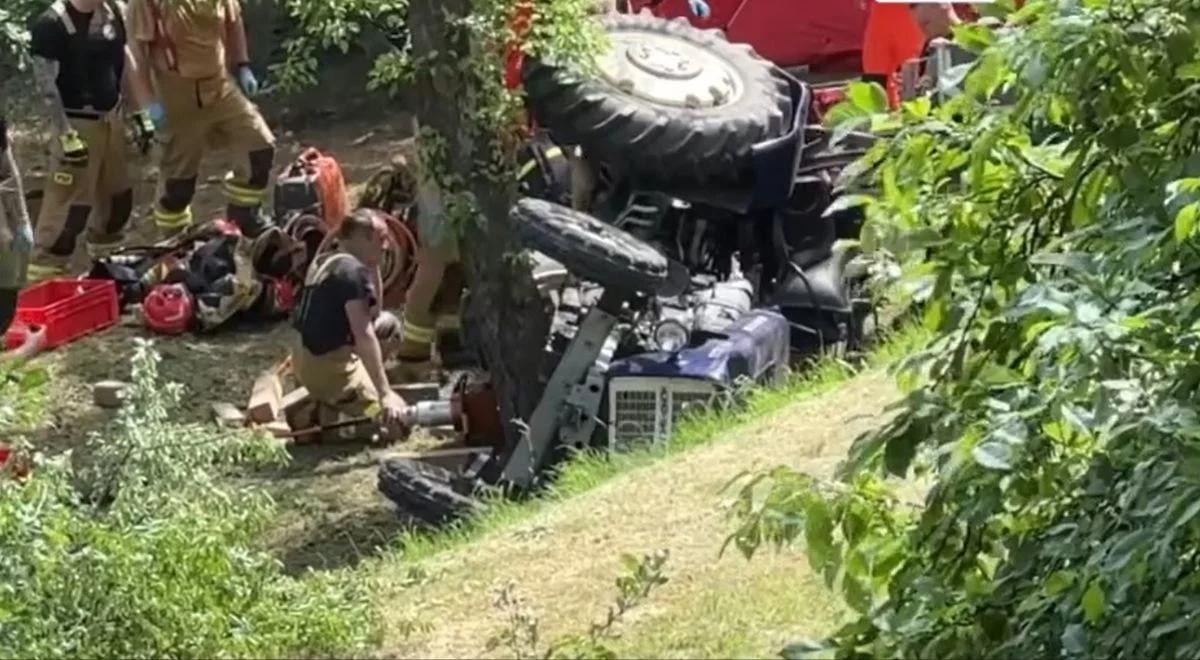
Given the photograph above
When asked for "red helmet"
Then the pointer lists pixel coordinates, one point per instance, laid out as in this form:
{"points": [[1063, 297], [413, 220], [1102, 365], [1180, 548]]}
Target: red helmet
{"points": [[168, 309]]}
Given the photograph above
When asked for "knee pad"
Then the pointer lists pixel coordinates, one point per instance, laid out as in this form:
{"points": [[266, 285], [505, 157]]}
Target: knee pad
{"points": [[8, 310], [64, 244], [177, 194], [261, 162], [119, 211], [387, 327]]}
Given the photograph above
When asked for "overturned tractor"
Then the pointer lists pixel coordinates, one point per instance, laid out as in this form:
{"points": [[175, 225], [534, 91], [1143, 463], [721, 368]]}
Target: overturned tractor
{"points": [[706, 259]]}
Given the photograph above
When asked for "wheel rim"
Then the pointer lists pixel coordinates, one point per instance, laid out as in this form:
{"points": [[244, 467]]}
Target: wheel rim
{"points": [[667, 70]]}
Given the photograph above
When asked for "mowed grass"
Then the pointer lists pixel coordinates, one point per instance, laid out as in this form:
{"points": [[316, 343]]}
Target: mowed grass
{"points": [[562, 551], [761, 609], [590, 470]]}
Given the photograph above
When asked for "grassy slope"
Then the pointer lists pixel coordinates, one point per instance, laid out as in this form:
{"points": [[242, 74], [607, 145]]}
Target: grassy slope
{"points": [[562, 552]]}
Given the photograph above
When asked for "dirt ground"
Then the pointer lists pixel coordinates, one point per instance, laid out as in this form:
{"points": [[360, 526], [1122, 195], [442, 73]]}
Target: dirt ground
{"points": [[332, 513], [564, 561]]}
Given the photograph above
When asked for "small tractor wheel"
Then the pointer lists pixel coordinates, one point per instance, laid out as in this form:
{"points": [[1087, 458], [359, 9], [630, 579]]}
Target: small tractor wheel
{"points": [[424, 491], [589, 248]]}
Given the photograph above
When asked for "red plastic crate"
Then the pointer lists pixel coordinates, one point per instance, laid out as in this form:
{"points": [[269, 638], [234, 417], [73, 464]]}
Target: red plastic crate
{"points": [[68, 309]]}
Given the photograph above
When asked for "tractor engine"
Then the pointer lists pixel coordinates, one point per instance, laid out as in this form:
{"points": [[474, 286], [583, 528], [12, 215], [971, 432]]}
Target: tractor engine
{"points": [[702, 240]]}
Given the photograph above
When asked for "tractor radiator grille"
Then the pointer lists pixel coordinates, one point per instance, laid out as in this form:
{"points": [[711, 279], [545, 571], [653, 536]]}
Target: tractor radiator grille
{"points": [[648, 409]]}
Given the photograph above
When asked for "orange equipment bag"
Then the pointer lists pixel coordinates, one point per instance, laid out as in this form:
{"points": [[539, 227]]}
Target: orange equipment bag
{"points": [[313, 183]]}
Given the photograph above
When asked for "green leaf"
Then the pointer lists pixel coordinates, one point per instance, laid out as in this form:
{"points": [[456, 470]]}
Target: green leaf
{"points": [[1093, 602], [870, 97], [1169, 627], [846, 202], [818, 534], [918, 108], [1189, 513], [993, 455], [973, 36], [1058, 582], [899, 453], [1185, 222], [1189, 71]]}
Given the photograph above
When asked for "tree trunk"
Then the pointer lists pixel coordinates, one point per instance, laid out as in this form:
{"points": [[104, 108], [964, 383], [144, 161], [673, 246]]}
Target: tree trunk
{"points": [[505, 319]]}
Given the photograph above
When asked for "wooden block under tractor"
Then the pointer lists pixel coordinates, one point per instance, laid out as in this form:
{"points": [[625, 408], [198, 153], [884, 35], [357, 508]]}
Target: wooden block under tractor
{"points": [[266, 400], [227, 415], [294, 399]]}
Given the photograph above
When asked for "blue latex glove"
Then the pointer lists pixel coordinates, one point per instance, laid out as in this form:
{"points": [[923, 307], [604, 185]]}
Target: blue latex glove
{"points": [[22, 242], [246, 80], [700, 8], [157, 114]]}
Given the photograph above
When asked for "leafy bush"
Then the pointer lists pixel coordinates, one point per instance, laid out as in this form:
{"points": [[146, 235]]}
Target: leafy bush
{"points": [[22, 395], [1054, 242], [162, 559]]}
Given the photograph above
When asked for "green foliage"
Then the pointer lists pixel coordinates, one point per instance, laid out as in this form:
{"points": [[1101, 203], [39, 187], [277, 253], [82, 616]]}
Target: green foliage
{"points": [[15, 16], [323, 26], [560, 30], [1052, 244], [22, 396], [166, 563]]}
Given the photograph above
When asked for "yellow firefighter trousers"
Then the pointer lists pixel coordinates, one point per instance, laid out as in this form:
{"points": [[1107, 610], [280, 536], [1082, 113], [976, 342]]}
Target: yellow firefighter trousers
{"points": [[208, 114], [73, 193], [433, 297], [432, 301], [338, 381]]}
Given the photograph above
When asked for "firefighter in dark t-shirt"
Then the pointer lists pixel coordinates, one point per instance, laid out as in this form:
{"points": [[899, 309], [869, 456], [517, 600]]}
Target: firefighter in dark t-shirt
{"points": [[82, 64], [338, 354]]}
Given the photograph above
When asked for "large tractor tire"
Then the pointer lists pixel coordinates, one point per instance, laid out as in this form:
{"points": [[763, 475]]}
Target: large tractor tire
{"points": [[589, 248], [670, 103]]}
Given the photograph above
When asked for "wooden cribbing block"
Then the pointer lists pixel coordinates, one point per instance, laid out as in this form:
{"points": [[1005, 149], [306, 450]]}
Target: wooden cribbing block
{"points": [[227, 415], [266, 400]]}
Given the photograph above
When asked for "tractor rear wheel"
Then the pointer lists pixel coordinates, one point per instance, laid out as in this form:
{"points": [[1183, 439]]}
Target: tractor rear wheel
{"points": [[670, 103]]}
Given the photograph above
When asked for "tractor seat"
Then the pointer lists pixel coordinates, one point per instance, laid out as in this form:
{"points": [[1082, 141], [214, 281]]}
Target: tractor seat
{"points": [[820, 286]]}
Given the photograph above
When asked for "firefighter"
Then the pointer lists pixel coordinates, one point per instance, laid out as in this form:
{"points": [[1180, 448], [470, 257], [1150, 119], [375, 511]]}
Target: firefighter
{"points": [[198, 53], [16, 234], [935, 20], [338, 352], [892, 38], [431, 304], [84, 69]]}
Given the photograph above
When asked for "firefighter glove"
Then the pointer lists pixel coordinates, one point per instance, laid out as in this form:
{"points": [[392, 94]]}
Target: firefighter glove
{"points": [[74, 149], [143, 131], [157, 115], [700, 8], [22, 242], [246, 80]]}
